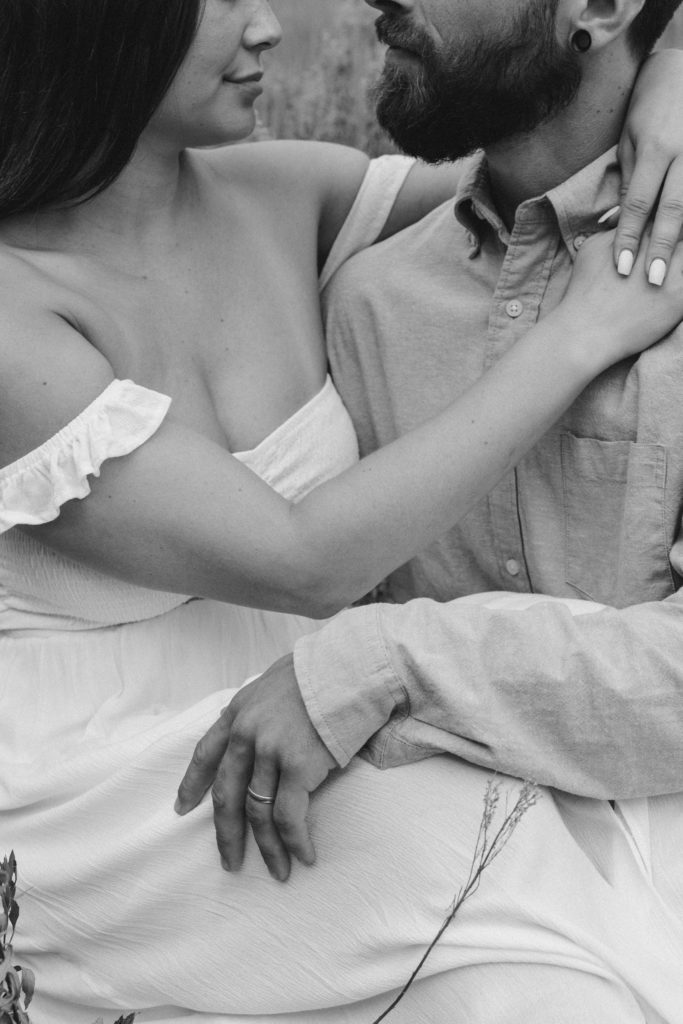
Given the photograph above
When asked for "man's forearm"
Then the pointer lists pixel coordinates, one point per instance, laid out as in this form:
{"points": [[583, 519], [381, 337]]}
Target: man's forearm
{"points": [[592, 704]]}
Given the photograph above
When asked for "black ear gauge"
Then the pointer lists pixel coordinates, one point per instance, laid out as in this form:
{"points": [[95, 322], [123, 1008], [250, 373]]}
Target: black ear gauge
{"points": [[581, 40]]}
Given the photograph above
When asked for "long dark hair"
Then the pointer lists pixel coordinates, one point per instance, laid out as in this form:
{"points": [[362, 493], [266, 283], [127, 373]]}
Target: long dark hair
{"points": [[79, 80]]}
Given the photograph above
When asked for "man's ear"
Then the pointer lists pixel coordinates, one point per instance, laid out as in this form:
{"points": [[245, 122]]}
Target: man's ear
{"points": [[604, 20]]}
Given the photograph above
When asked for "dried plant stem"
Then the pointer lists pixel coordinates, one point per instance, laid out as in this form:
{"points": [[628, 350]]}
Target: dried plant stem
{"points": [[485, 851]]}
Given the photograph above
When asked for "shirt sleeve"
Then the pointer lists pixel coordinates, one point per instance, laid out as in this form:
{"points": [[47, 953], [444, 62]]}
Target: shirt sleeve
{"points": [[120, 419], [590, 704]]}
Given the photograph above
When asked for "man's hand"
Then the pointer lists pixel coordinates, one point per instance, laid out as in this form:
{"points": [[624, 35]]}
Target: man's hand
{"points": [[263, 741], [651, 158]]}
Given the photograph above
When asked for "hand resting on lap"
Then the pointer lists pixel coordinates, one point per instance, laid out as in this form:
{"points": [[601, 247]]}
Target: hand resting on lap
{"points": [[264, 740]]}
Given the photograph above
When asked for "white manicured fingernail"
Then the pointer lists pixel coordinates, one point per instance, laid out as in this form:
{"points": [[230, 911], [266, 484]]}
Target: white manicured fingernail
{"points": [[625, 262], [657, 272], [610, 213]]}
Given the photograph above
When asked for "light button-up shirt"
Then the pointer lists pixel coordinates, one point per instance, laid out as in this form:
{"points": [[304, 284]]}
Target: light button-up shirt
{"points": [[593, 705]]}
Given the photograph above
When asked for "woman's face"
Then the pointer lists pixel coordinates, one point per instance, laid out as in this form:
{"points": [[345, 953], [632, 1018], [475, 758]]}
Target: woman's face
{"points": [[211, 100]]}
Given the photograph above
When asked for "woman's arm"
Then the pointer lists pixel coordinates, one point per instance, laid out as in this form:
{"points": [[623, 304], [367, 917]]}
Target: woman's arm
{"points": [[180, 514], [651, 157]]}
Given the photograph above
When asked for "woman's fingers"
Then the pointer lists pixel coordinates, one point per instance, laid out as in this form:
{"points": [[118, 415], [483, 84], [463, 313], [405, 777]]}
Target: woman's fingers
{"points": [[205, 762], [642, 184], [652, 192], [650, 149], [668, 222]]}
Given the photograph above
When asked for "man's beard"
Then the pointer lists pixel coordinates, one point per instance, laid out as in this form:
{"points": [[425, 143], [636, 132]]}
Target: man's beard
{"points": [[454, 100]]}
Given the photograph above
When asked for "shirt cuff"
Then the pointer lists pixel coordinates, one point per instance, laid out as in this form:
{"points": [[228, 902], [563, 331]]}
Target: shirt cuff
{"points": [[347, 681]]}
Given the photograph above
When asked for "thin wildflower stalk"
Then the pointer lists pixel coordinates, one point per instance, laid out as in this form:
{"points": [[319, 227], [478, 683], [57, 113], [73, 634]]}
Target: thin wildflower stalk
{"points": [[487, 847]]}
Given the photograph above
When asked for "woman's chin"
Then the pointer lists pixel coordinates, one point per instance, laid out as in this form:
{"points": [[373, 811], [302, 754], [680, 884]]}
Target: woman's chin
{"points": [[239, 129]]}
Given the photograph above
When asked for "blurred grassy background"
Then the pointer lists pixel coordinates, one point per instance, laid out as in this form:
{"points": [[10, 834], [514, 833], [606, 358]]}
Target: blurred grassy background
{"points": [[318, 78]]}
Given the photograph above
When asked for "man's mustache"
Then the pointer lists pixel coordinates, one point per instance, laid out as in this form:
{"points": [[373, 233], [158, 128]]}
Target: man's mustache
{"points": [[396, 32]]}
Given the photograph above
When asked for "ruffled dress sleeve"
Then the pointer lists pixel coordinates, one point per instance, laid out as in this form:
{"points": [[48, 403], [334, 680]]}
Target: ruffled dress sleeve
{"points": [[121, 418], [376, 196]]}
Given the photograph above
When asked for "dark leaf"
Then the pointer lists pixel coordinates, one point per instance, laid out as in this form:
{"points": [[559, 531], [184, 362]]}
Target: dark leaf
{"points": [[28, 984]]}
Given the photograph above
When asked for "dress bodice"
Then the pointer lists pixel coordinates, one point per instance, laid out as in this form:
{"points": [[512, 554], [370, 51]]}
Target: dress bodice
{"points": [[42, 589]]}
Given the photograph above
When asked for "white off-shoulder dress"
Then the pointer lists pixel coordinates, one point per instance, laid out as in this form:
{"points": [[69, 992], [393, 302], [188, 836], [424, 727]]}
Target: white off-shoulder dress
{"points": [[104, 690]]}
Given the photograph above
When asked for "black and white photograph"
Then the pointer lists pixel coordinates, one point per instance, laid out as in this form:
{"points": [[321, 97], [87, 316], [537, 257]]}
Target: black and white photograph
{"points": [[341, 512]]}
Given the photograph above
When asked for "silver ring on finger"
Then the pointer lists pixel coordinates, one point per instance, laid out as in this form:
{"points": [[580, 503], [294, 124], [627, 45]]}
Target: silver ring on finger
{"points": [[259, 798]]}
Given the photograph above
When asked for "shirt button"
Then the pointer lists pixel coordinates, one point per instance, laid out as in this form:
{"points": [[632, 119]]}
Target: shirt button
{"points": [[514, 308], [579, 240], [512, 566]]}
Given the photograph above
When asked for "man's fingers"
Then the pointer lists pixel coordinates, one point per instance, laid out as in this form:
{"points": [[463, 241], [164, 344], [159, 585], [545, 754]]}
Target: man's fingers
{"points": [[638, 201], [229, 794], [260, 814], [280, 828], [202, 768], [289, 815], [668, 222]]}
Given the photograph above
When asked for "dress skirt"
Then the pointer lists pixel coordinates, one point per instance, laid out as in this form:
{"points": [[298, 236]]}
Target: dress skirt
{"points": [[125, 905]]}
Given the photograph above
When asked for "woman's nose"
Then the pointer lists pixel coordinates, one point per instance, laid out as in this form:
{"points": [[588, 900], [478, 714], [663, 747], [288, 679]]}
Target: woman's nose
{"points": [[263, 31]]}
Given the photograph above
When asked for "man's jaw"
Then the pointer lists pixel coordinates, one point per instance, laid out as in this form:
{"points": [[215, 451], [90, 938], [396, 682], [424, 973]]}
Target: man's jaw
{"points": [[442, 102]]}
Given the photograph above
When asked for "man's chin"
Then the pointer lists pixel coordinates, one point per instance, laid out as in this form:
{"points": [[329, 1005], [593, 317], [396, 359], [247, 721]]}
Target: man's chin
{"points": [[406, 110], [422, 138]]}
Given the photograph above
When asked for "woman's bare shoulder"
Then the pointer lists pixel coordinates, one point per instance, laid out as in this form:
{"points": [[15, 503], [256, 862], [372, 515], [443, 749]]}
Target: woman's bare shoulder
{"points": [[31, 292], [27, 296], [17, 269], [317, 178], [49, 370], [299, 164]]}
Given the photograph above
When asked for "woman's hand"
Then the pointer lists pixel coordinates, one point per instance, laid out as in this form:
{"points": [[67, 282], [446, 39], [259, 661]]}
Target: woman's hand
{"points": [[651, 157], [265, 744], [615, 317]]}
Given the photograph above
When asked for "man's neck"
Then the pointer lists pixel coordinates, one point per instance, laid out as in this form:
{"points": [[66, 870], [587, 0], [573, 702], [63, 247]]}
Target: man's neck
{"points": [[529, 165]]}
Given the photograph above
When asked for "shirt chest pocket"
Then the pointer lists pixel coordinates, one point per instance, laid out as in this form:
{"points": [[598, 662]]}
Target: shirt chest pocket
{"points": [[615, 537]]}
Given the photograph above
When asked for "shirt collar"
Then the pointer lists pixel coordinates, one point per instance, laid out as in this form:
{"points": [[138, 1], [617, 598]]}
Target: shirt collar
{"points": [[575, 205]]}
